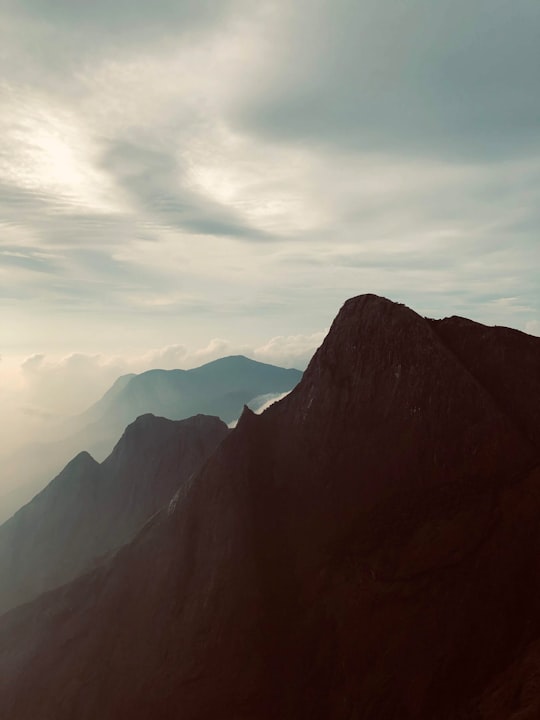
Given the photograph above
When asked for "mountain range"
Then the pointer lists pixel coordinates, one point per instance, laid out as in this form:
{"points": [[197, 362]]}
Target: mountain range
{"points": [[220, 388], [366, 548]]}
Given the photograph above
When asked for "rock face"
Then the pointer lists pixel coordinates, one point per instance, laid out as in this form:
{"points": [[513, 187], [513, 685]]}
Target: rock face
{"points": [[366, 548], [90, 509]]}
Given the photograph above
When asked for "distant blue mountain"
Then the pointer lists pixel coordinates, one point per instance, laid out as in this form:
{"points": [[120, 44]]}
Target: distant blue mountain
{"points": [[221, 388]]}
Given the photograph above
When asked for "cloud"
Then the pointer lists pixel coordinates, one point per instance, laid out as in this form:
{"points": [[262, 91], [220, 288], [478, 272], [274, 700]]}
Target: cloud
{"points": [[157, 184], [290, 351], [167, 358], [101, 15], [72, 34], [65, 385], [260, 403], [450, 79]]}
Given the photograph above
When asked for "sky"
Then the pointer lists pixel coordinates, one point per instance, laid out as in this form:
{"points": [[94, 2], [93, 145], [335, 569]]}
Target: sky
{"points": [[185, 179]]}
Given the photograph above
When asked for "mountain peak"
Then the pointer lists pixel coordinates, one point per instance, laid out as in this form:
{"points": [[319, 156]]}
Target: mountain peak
{"points": [[246, 418], [84, 458], [370, 300], [83, 462], [373, 314], [148, 423], [368, 334], [235, 361]]}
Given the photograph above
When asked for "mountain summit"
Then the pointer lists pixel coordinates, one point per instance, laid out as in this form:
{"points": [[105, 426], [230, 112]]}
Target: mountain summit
{"points": [[365, 548]]}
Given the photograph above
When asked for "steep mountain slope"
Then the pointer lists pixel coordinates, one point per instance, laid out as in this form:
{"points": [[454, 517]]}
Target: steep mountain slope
{"points": [[366, 548], [221, 388], [90, 509]]}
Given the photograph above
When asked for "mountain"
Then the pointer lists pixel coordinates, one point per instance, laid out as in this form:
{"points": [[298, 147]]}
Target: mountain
{"points": [[366, 548], [221, 388], [90, 509]]}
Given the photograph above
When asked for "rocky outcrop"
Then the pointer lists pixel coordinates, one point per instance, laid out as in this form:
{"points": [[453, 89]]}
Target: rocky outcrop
{"points": [[366, 548], [90, 509]]}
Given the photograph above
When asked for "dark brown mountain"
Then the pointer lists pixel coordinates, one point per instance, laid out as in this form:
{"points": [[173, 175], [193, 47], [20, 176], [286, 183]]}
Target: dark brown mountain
{"points": [[90, 509], [366, 548]]}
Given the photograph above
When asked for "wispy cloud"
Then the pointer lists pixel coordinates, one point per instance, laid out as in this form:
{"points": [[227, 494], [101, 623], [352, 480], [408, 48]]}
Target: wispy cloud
{"points": [[172, 172]]}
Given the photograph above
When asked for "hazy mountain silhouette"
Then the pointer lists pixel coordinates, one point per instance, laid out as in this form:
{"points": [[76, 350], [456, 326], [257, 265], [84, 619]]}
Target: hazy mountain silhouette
{"points": [[366, 548], [221, 388], [90, 509]]}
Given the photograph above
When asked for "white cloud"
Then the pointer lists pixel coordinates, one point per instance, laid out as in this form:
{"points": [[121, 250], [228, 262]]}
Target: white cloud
{"points": [[289, 351], [263, 402]]}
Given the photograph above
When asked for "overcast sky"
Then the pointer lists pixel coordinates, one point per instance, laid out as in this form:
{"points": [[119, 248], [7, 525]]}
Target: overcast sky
{"points": [[184, 178]]}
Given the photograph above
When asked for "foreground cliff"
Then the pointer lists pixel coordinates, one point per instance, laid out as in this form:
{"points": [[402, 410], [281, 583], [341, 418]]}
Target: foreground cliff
{"points": [[367, 548], [90, 509]]}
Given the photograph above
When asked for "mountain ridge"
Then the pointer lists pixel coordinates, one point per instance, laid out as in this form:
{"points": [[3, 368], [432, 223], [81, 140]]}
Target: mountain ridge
{"points": [[91, 508]]}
